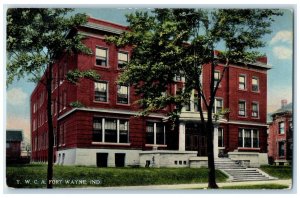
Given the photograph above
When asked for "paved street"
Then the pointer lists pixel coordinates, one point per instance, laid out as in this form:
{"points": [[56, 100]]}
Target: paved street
{"points": [[195, 186]]}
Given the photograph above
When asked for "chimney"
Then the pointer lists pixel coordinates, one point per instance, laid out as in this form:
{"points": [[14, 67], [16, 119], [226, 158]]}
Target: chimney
{"points": [[283, 103]]}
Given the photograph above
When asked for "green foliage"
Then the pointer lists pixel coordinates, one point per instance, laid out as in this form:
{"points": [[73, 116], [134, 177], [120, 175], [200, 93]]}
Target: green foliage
{"points": [[36, 37], [280, 172], [221, 113], [109, 176], [181, 42], [76, 104], [74, 75]]}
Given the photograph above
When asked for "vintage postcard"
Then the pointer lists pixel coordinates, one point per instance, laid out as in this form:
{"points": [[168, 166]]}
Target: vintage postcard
{"points": [[149, 98]]}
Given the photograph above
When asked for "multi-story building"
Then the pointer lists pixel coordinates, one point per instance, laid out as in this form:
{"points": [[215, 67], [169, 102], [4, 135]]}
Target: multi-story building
{"points": [[105, 131], [280, 139]]}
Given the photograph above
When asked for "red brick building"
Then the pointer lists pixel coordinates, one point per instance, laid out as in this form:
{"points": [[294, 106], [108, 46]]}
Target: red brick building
{"points": [[105, 131], [280, 139]]}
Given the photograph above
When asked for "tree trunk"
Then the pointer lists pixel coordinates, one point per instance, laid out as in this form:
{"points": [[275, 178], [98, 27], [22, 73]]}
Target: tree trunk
{"points": [[50, 130], [210, 154]]}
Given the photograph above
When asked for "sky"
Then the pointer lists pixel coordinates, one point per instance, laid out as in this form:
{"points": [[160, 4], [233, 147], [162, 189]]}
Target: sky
{"points": [[279, 50]]}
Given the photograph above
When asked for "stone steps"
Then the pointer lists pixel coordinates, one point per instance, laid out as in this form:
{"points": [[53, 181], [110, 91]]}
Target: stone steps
{"points": [[237, 172]]}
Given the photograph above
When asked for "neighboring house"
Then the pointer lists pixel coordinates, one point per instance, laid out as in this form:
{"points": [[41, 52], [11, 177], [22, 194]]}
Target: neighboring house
{"points": [[107, 132], [280, 138], [13, 144]]}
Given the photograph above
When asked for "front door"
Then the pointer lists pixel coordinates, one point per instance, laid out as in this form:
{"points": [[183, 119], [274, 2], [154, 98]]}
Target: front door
{"points": [[195, 139]]}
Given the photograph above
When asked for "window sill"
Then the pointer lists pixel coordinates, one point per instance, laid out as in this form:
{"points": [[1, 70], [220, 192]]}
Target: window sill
{"points": [[156, 145], [239, 116], [248, 149], [101, 102], [122, 104], [111, 143], [102, 66], [242, 90]]}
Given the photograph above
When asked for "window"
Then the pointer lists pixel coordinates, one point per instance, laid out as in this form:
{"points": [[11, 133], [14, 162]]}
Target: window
{"points": [[101, 56], [216, 78], [248, 138], [123, 94], [218, 105], [150, 133], [160, 133], [242, 82], [155, 133], [281, 149], [281, 127], [254, 110], [123, 131], [255, 139], [255, 86], [122, 59], [97, 129], [110, 130], [242, 108], [220, 137], [101, 91]]}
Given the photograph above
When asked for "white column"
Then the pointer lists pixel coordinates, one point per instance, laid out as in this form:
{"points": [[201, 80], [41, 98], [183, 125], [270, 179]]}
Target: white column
{"points": [[118, 131], [215, 140], [181, 136]]}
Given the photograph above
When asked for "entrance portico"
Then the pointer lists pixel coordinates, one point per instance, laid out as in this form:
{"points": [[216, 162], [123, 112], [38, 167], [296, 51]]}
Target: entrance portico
{"points": [[191, 138]]}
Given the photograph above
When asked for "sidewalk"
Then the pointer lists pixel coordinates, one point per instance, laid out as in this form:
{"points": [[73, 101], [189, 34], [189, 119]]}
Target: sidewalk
{"points": [[197, 186]]}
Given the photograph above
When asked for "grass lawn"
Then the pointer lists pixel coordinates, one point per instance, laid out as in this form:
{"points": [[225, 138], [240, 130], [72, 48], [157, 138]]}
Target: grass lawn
{"points": [[281, 172], [34, 176]]}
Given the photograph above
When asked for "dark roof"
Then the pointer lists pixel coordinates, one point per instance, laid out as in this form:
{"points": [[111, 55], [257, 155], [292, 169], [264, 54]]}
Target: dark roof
{"points": [[14, 135], [284, 109]]}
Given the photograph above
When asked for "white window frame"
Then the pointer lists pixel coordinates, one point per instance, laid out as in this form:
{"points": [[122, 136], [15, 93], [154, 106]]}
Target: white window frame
{"points": [[240, 110], [251, 133], [217, 79], [252, 112], [215, 106], [245, 81], [99, 57], [107, 91], [123, 52], [154, 133], [257, 79], [128, 94], [118, 131], [283, 128]]}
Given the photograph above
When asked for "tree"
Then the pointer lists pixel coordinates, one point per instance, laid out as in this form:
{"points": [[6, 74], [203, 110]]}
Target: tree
{"points": [[182, 42], [36, 38]]}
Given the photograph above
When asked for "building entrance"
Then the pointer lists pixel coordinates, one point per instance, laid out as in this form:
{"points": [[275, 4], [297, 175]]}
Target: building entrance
{"points": [[195, 139]]}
